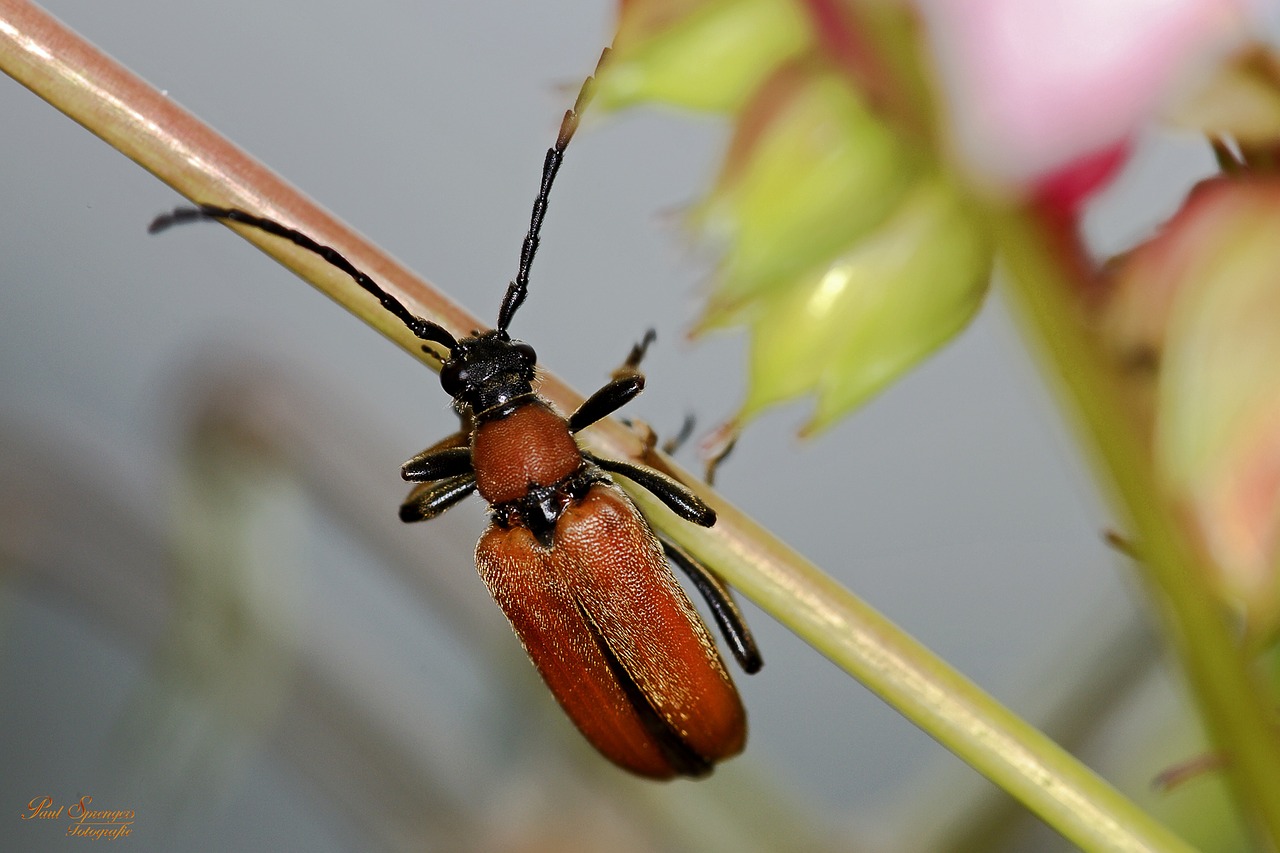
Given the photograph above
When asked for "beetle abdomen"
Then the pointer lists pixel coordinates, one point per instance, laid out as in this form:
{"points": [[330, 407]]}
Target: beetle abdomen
{"points": [[615, 637], [530, 446]]}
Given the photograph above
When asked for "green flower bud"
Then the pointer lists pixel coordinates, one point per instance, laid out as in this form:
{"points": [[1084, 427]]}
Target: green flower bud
{"points": [[849, 327], [809, 172], [701, 55]]}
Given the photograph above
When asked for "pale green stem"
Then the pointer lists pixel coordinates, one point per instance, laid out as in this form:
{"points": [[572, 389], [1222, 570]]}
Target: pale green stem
{"points": [[1235, 708], [150, 129]]}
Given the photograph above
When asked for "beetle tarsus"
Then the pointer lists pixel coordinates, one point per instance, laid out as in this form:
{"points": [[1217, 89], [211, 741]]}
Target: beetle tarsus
{"points": [[631, 364]]}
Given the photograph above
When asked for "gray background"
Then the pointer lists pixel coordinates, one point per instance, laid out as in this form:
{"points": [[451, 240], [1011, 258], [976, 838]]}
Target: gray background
{"points": [[955, 502]]}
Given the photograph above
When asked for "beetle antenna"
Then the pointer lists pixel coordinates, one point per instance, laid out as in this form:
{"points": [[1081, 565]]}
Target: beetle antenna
{"points": [[519, 288], [424, 329]]}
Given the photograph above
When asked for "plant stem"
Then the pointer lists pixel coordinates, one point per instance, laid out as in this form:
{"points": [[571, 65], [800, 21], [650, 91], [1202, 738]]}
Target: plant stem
{"points": [[941, 701], [1234, 706], [146, 126]]}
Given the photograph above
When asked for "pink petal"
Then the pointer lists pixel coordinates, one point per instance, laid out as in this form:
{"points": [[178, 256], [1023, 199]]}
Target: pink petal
{"points": [[1034, 85]]}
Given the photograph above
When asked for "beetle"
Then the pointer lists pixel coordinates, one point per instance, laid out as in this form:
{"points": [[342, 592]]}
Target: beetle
{"points": [[571, 561]]}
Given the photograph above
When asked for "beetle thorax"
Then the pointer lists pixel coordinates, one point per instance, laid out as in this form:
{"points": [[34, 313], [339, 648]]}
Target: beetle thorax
{"points": [[528, 448]]}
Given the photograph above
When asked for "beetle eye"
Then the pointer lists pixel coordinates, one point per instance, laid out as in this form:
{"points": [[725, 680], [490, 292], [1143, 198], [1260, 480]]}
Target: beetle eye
{"points": [[453, 378], [526, 352]]}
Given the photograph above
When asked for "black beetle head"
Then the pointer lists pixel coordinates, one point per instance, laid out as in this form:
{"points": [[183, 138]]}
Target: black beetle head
{"points": [[487, 371]]}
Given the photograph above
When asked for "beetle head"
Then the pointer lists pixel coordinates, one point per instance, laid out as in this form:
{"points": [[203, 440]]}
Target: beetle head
{"points": [[487, 371]]}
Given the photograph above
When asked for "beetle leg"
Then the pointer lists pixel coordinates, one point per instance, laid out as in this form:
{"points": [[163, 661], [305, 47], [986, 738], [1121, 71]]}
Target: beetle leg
{"points": [[677, 441], [714, 462], [428, 500], [724, 609], [627, 382], [675, 495], [606, 401], [460, 439], [631, 364], [437, 463]]}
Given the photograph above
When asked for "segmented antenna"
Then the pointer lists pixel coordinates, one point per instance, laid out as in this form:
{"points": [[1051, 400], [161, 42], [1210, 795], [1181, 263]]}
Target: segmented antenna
{"points": [[519, 288], [423, 329]]}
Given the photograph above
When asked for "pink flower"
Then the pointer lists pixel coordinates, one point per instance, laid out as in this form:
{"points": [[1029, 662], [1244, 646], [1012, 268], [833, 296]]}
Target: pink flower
{"points": [[1195, 309], [1037, 87]]}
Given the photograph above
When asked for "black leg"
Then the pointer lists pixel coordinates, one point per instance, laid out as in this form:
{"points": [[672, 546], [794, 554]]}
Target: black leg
{"points": [[723, 608], [631, 364], [428, 500], [677, 441], [626, 384], [713, 464], [681, 501], [606, 401], [437, 463], [720, 443]]}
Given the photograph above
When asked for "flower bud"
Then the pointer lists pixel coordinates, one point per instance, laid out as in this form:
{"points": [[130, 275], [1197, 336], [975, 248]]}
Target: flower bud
{"points": [[848, 327], [707, 55], [810, 171], [1203, 298]]}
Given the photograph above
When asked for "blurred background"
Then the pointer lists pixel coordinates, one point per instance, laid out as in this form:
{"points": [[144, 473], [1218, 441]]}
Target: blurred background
{"points": [[209, 612]]}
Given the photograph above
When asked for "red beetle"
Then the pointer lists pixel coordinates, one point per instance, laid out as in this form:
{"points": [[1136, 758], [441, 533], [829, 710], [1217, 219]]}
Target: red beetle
{"points": [[567, 556]]}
